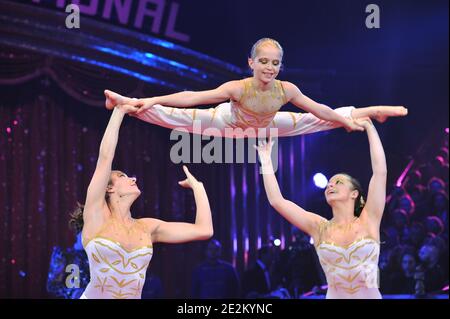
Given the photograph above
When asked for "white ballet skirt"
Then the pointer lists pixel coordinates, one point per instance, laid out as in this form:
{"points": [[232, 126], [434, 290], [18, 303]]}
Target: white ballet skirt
{"points": [[116, 273], [351, 271]]}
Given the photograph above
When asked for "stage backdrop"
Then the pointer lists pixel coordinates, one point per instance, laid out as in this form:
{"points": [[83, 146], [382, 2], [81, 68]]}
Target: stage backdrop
{"points": [[49, 137]]}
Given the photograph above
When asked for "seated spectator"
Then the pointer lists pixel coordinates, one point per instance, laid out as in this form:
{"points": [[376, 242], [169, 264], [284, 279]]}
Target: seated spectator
{"points": [[419, 195], [443, 152], [434, 225], [68, 273], [257, 280], [414, 178], [439, 167], [397, 227], [429, 264], [300, 267], [214, 278], [407, 204], [403, 282], [416, 235], [439, 206], [435, 185]]}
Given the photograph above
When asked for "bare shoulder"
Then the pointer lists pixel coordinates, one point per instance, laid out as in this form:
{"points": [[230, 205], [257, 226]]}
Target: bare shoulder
{"points": [[320, 222], [235, 88], [289, 85], [233, 85], [370, 224], [319, 225], [150, 223], [290, 89]]}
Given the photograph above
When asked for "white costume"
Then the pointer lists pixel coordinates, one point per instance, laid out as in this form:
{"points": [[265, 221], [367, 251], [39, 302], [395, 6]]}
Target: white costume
{"points": [[254, 111]]}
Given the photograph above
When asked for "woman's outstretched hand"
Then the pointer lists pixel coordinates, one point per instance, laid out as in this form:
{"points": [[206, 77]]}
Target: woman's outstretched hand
{"points": [[144, 104], [127, 109], [366, 123], [352, 125], [190, 181], [264, 149]]}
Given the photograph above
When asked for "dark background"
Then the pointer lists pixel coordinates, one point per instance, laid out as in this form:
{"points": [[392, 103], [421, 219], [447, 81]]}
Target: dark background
{"points": [[48, 159]]}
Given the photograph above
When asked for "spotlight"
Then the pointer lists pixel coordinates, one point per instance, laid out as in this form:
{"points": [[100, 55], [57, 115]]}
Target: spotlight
{"points": [[277, 242], [320, 180]]}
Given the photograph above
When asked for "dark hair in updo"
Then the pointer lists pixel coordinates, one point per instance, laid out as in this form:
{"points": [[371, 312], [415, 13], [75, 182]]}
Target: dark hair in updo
{"points": [[76, 221]]}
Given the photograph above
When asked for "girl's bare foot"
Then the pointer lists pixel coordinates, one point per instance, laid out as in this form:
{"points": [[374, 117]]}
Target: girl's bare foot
{"points": [[113, 99], [382, 113]]}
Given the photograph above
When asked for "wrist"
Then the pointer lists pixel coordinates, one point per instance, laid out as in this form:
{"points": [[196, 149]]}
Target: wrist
{"points": [[119, 110], [267, 169], [198, 185], [343, 121], [266, 163], [148, 100], [154, 100]]}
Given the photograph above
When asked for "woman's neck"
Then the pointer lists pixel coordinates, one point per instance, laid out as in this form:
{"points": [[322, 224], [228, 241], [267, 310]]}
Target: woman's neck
{"points": [[120, 210], [343, 213]]}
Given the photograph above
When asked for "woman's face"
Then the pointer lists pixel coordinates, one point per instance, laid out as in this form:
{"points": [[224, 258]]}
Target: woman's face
{"points": [[433, 225], [266, 65], [405, 204], [408, 263], [123, 185], [416, 194], [440, 202], [400, 218], [339, 188], [426, 253], [436, 186]]}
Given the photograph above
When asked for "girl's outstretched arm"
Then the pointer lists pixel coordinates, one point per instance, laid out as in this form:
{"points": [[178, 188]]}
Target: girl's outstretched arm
{"points": [[323, 112], [227, 91]]}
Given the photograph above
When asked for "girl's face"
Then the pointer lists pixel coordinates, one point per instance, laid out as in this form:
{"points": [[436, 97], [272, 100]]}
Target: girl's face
{"points": [[339, 188], [266, 65]]}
